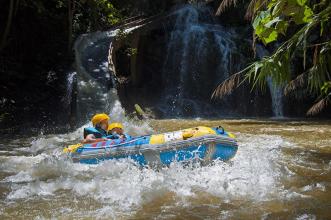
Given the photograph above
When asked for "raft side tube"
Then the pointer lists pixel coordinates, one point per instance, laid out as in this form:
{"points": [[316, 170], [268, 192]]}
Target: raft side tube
{"points": [[208, 147]]}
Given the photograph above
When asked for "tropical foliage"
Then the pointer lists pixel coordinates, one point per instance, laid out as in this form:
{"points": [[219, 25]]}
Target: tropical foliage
{"points": [[303, 28]]}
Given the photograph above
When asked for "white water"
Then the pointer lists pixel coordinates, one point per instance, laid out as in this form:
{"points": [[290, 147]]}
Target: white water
{"points": [[121, 187]]}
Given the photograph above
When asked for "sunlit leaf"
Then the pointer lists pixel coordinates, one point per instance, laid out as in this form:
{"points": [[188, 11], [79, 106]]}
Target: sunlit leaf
{"points": [[273, 21], [270, 37], [307, 14], [260, 17], [301, 2]]}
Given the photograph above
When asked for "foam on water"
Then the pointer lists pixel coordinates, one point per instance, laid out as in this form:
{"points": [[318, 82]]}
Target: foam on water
{"points": [[122, 187]]}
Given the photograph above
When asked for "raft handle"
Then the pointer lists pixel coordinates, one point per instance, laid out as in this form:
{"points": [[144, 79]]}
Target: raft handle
{"points": [[220, 127]]}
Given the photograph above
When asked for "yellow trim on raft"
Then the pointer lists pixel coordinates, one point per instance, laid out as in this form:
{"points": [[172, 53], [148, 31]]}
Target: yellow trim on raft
{"points": [[231, 135], [181, 135], [72, 148]]}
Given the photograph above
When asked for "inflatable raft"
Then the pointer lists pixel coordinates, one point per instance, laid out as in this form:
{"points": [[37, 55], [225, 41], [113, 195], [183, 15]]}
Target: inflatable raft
{"points": [[200, 143]]}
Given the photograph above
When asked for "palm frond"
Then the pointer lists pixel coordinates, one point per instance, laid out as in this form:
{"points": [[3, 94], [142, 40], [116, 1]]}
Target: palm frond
{"points": [[225, 4], [250, 10], [318, 107], [227, 86], [253, 7], [294, 84]]}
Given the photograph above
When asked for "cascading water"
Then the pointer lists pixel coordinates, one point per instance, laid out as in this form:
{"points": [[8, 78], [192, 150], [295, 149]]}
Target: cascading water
{"points": [[276, 92], [277, 95], [94, 89], [70, 85], [95, 82], [198, 51]]}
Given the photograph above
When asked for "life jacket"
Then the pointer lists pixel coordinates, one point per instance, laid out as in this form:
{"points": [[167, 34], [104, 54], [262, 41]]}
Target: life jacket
{"points": [[97, 132], [116, 136]]}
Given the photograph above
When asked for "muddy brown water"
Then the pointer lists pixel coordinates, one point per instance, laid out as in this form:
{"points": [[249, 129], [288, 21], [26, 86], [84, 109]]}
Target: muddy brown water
{"points": [[282, 171]]}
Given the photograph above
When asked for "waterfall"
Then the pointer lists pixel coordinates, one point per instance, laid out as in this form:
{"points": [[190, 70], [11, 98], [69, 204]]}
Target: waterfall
{"points": [[198, 52], [95, 81], [94, 88], [69, 90], [276, 91], [276, 98]]}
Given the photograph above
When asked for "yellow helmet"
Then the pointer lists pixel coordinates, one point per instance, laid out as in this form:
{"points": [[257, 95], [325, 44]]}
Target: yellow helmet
{"points": [[99, 118], [115, 125]]}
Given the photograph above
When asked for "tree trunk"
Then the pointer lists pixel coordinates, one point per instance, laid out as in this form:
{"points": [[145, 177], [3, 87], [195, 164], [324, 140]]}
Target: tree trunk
{"points": [[8, 25]]}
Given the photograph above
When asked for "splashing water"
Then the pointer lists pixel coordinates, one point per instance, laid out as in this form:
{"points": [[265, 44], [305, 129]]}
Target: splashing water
{"points": [[70, 84], [48, 173], [258, 174]]}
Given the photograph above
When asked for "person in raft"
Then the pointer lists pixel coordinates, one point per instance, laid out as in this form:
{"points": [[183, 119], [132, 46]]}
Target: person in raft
{"points": [[115, 131], [99, 130]]}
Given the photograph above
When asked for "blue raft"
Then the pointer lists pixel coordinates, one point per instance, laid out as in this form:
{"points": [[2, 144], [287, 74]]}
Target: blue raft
{"points": [[201, 143]]}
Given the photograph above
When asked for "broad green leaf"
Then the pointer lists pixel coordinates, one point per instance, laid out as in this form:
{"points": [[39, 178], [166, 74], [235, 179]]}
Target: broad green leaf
{"points": [[266, 32], [259, 30], [272, 3], [301, 2], [273, 21], [307, 14], [260, 17], [326, 87], [303, 15], [271, 37]]}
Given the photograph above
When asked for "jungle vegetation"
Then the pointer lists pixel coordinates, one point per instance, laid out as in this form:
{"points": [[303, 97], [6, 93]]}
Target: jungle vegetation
{"points": [[300, 30]]}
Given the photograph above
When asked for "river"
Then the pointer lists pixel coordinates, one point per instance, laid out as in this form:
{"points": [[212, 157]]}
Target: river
{"points": [[282, 171]]}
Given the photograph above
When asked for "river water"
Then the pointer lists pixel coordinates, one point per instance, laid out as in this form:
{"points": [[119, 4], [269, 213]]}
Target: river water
{"points": [[282, 170]]}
